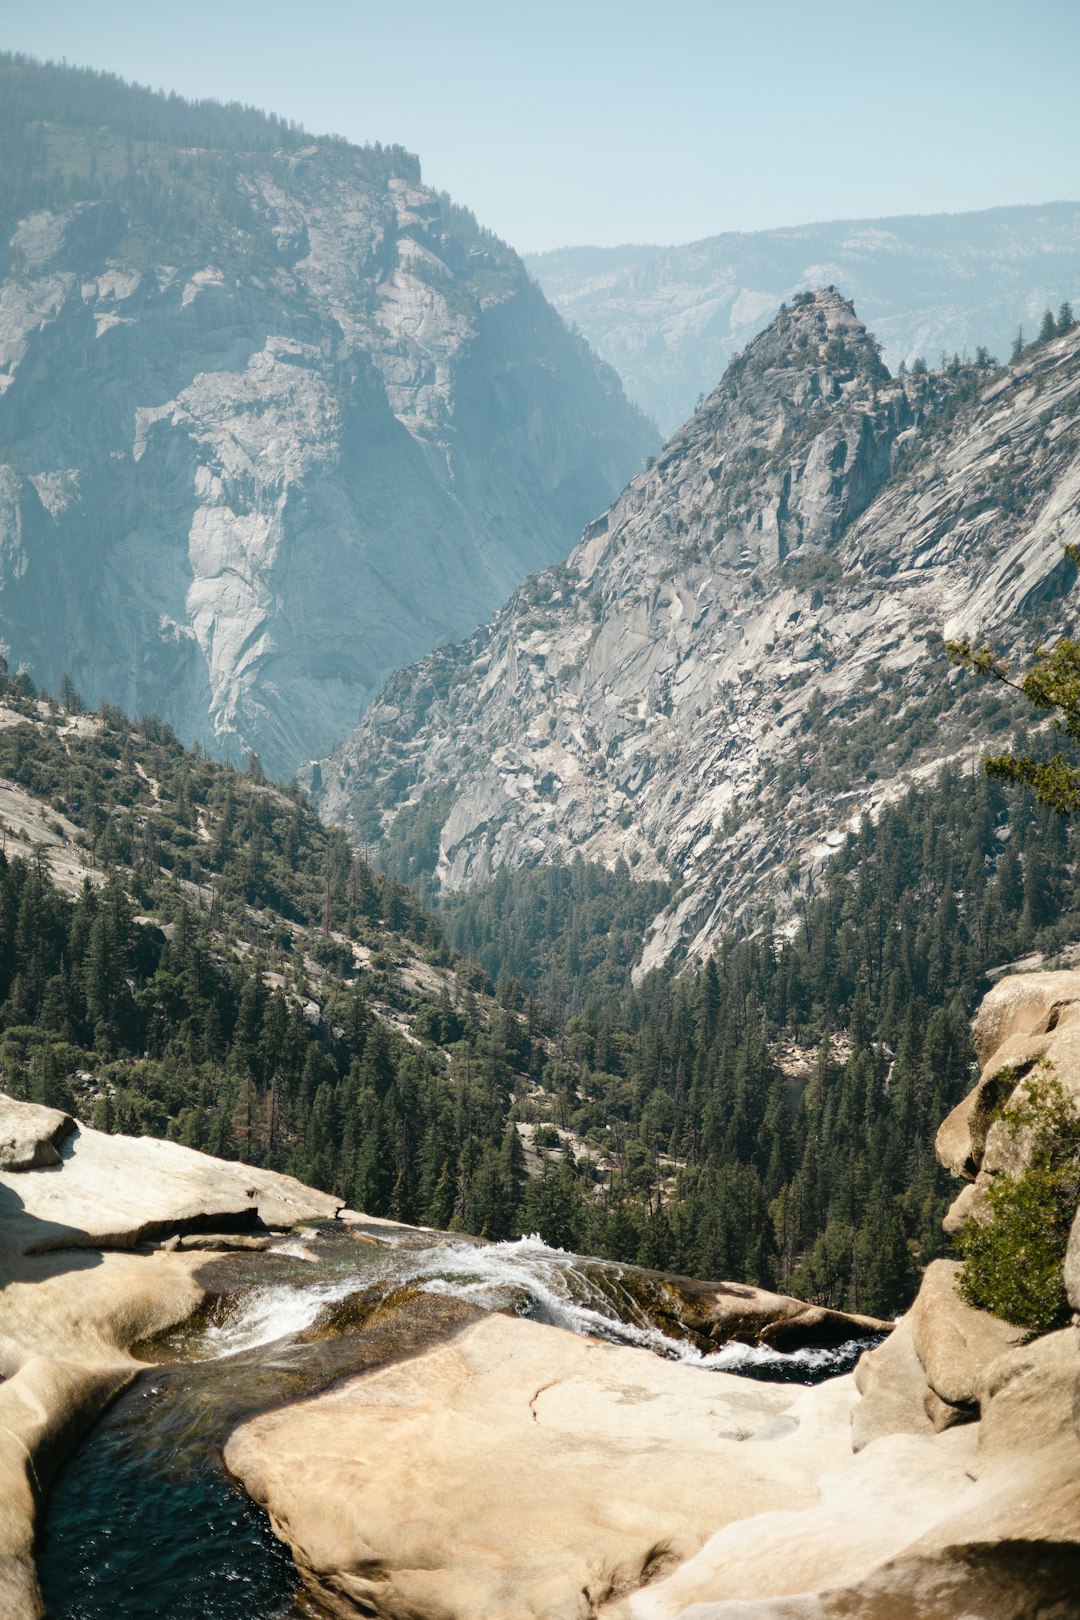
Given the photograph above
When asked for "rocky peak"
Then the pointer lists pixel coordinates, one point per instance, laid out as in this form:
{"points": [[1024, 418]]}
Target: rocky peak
{"points": [[793, 442], [744, 654], [670, 318]]}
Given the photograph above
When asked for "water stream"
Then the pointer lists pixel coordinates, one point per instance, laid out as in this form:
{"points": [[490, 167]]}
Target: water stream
{"points": [[144, 1521]]}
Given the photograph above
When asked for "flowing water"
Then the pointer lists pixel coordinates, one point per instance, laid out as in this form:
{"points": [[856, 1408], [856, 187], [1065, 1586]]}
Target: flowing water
{"points": [[144, 1521]]}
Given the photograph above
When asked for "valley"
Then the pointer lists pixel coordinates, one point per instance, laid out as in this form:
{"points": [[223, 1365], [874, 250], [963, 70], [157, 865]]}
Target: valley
{"points": [[539, 958]]}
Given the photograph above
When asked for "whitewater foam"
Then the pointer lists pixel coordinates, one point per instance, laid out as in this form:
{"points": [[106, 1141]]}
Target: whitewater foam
{"points": [[525, 1275], [273, 1311]]}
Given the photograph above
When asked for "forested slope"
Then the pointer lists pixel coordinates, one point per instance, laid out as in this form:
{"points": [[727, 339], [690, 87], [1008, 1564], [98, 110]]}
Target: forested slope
{"points": [[186, 950]]}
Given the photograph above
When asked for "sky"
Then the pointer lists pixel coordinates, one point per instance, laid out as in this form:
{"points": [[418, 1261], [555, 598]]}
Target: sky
{"points": [[611, 121]]}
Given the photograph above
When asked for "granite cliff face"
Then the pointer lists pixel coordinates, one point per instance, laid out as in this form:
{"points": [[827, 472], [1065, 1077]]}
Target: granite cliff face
{"points": [[745, 653], [274, 417], [669, 318]]}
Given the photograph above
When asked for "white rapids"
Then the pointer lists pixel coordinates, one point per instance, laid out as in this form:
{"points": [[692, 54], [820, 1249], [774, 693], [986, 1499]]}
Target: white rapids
{"points": [[524, 1275], [273, 1311], [560, 1292]]}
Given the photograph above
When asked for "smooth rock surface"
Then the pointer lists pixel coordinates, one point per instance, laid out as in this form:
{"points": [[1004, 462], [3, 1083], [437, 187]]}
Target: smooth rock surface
{"points": [[892, 1383], [955, 1342], [1016, 1581], [30, 1134], [1024, 1004], [523, 1471], [870, 1508], [119, 1191], [1028, 1396]]}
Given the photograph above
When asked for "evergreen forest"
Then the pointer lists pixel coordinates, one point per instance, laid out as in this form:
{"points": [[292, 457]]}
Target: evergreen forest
{"points": [[222, 969]]}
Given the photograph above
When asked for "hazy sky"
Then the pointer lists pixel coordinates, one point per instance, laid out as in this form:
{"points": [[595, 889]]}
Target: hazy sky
{"points": [[614, 120]]}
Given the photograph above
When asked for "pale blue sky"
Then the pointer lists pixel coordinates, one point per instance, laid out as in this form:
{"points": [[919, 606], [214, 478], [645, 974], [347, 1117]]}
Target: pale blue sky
{"points": [[613, 120]]}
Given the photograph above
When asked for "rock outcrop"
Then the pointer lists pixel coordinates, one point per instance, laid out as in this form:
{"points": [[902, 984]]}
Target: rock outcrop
{"points": [[744, 655], [268, 441], [520, 1470], [962, 1497], [80, 1282], [29, 1134], [669, 318], [1028, 1023]]}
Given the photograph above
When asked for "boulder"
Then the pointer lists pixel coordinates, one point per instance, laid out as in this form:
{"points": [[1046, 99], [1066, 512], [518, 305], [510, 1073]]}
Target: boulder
{"points": [[1028, 1024], [961, 1137], [1072, 1265], [30, 1135], [1024, 1004], [943, 1414], [1028, 1395], [965, 1207], [724, 1312], [119, 1191], [893, 1387], [954, 1341]]}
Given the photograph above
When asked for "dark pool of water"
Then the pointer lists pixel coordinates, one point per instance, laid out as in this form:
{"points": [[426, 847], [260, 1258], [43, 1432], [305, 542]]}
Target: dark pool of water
{"points": [[143, 1524]]}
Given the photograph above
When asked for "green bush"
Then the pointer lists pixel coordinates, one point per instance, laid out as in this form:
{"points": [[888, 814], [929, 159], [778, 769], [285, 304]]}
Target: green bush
{"points": [[1013, 1263]]}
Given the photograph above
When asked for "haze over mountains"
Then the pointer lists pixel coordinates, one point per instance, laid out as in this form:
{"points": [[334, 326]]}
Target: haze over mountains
{"points": [[274, 417], [745, 653], [669, 318]]}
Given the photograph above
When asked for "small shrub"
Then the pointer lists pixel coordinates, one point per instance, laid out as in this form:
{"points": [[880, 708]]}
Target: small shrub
{"points": [[1013, 1264]]}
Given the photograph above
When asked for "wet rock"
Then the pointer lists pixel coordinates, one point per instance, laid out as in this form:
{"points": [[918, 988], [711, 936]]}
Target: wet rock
{"points": [[72, 1306], [721, 1313], [220, 1242]]}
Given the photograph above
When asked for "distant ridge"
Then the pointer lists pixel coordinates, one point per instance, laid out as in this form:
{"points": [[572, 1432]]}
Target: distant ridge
{"points": [[669, 318]]}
